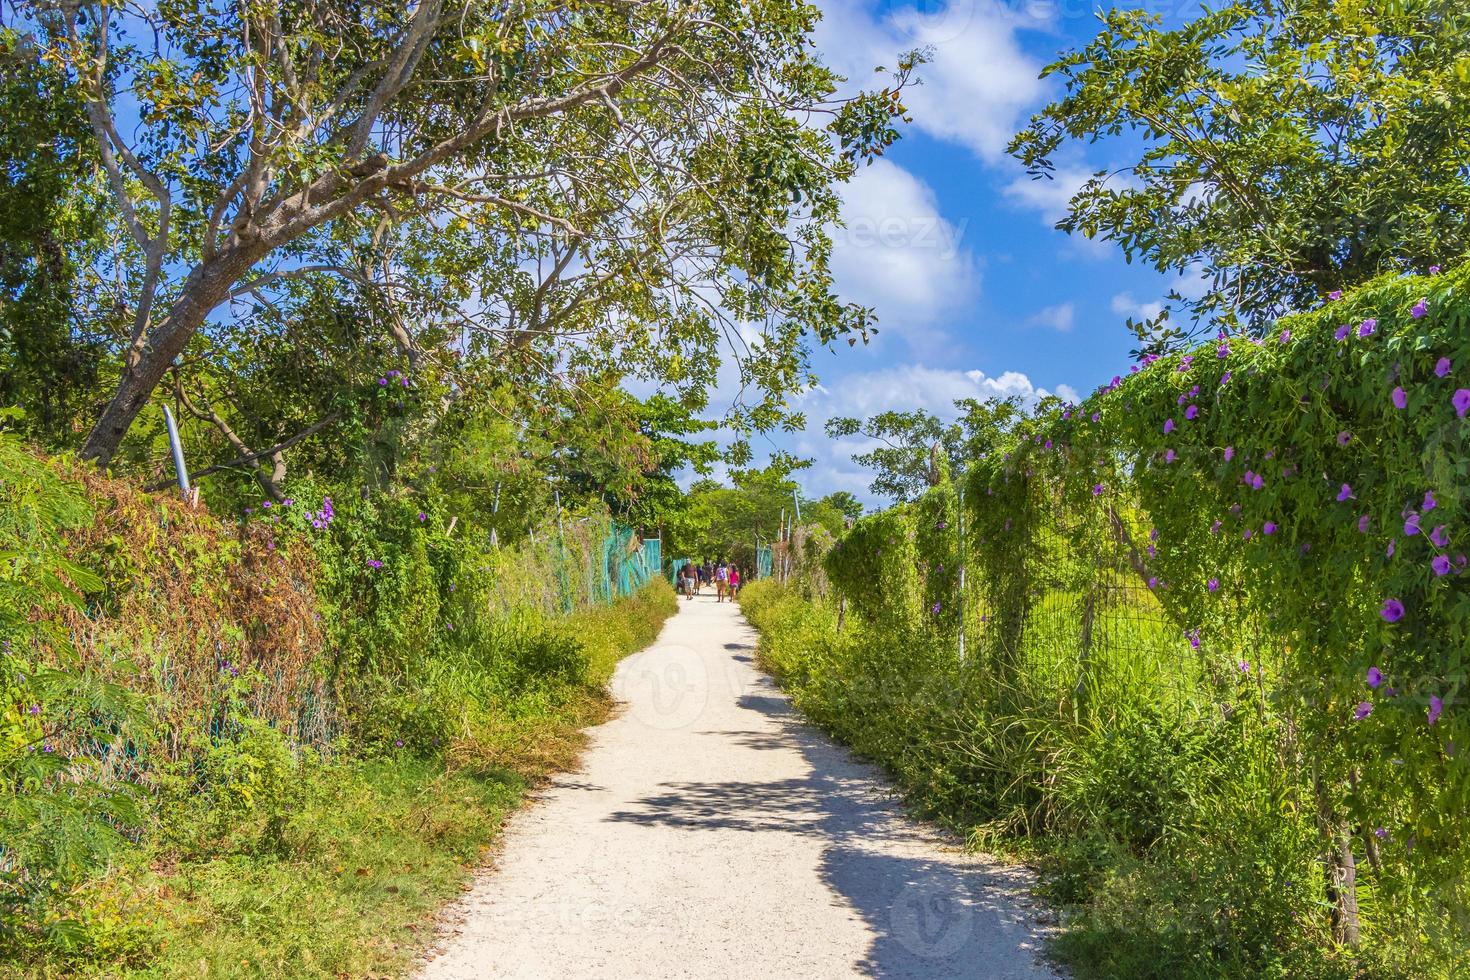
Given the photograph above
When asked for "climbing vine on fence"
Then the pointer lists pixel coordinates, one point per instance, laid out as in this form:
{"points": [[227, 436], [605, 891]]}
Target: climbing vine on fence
{"points": [[1298, 508]]}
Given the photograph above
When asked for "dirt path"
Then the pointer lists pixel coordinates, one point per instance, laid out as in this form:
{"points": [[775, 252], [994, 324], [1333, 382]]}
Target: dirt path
{"points": [[712, 833]]}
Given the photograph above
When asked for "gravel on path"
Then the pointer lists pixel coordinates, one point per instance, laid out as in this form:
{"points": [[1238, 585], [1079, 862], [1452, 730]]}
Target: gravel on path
{"points": [[712, 833]]}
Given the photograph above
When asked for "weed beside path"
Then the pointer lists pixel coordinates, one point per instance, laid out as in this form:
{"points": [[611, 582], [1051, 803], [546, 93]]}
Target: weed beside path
{"points": [[371, 848]]}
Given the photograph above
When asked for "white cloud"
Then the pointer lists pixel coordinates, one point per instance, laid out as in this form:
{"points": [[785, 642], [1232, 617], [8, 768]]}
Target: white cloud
{"points": [[903, 387], [1049, 196], [896, 252], [1124, 304], [1058, 318], [976, 87]]}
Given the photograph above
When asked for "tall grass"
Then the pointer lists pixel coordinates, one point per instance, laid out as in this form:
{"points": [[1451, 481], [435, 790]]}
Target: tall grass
{"points": [[268, 747], [1159, 806]]}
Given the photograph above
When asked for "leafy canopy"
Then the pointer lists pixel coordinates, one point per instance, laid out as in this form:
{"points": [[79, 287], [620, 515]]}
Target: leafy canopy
{"points": [[1280, 151]]}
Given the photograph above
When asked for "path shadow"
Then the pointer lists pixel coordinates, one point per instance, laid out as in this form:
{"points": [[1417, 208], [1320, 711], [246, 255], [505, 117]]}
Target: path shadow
{"points": [[929, 917]]}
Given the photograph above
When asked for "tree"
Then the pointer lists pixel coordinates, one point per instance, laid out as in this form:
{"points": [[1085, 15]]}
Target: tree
{"points": [[1283, 150], [917, 448], [49, 222], [845, 504], [637, 178], [911, 447]]}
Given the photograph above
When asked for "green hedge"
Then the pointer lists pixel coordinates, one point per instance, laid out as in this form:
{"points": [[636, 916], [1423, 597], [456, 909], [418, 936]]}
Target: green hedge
{"points": [[1187, 676], [173, 686]]}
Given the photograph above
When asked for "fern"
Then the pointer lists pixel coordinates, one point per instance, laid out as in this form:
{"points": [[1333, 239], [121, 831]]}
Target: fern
{"points": [[57, 821]]}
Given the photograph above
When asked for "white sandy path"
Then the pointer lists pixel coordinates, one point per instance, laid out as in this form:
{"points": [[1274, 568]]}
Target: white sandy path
{"points": [[711, 833]]}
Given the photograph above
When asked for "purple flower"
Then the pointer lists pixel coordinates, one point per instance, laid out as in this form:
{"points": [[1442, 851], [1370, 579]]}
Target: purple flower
{"points": [[935, 608], [398, 742], [1224, 378], [1153, 552], [1168, 426], [423, 516], [1436, 707], [1440, 564], [1169, 455], [1215, 528], [1285, 336], [1097, 489], [1442, 367], [1392, 610], [1222, 351], [1191, 412], [382, 381], [1439, 537], [1245, 666], [1336, 294], [1419, 309], [1229, 453], [1193, 636], [1400, 398], [266, 504], [1342, 332], [1270, 528], [1411, 525], [1380, 833], [1153, 582], [1367, 327], [1213, 585], [1363, 710], [1363, 524], [1375, 677], [1344, 437], [1257, 481], [1248, 534], [1389, 552], [1461, 401], [1096, 416], [1346, 493], [374, 563], [1429, 502], [1153, 534]]}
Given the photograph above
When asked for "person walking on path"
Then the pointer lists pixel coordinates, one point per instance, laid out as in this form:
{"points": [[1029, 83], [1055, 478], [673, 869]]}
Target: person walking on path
{"points": [[734, 584], [722, 581]]}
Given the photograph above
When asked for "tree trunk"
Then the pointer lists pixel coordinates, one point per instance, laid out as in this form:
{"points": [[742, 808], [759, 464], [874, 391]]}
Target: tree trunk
{"points": [[1339, 868], [206, 287]]}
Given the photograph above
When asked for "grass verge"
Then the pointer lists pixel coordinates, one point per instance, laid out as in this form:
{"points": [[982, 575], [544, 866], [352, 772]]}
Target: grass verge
{"points": [[349, 882]]}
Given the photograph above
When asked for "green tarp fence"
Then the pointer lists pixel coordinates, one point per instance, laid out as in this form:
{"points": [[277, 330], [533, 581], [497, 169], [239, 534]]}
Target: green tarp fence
{"points": [[593, 572], [764, 562]]}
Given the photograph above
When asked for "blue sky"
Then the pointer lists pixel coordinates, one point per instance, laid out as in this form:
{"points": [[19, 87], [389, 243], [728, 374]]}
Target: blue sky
{"points": [[950, 240]]}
